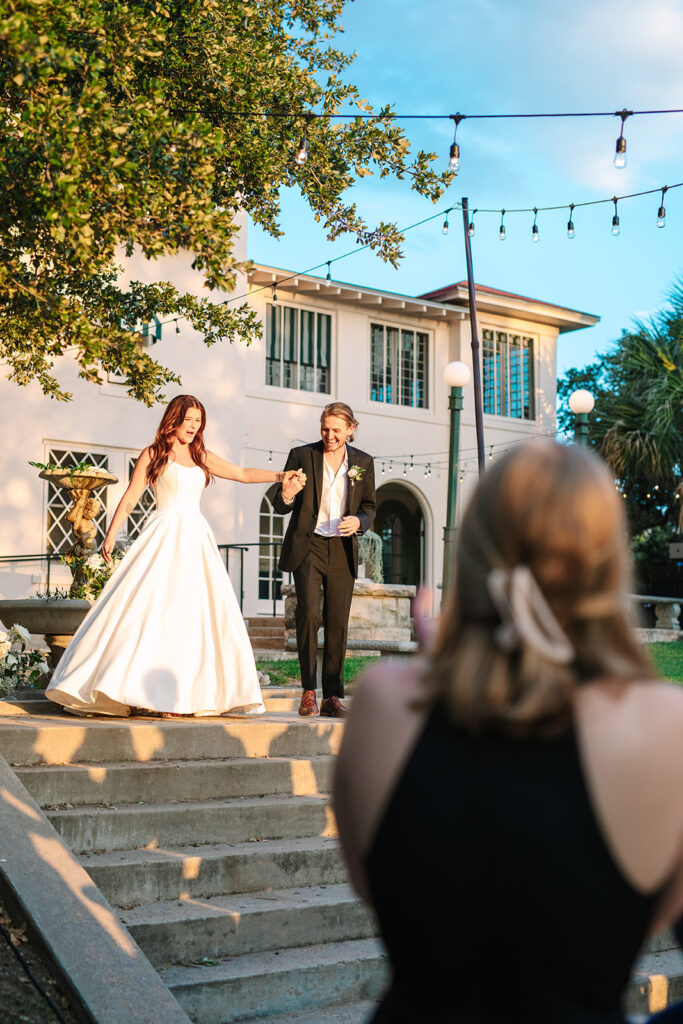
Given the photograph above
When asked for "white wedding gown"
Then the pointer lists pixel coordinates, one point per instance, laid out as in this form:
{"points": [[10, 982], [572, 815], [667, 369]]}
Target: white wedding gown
{"points": [[166, 633]]}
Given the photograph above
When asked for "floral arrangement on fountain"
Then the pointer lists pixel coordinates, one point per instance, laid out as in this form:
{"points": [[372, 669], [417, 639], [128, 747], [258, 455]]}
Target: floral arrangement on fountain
{"points": [[18, 665], [92, 573], [370, 552]]}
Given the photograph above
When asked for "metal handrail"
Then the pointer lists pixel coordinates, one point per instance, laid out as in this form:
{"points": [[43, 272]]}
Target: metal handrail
{"points": [[48, 556], [51, 556]]}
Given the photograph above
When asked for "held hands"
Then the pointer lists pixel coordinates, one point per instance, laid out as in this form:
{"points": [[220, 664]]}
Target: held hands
{"points": [[293, 481], [349, 525]]}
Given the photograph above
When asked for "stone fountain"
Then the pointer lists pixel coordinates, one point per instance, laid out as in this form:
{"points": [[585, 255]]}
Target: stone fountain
{"points": [[58, 619]]}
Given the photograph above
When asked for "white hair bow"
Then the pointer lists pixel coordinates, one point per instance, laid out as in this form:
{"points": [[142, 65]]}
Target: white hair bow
{"points": [[525, 615]]}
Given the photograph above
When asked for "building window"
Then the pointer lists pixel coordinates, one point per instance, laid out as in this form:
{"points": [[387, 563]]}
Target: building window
{"points": [[144, 508], [271, 532], [298, 343], [508, 374], [60, 537], [398, 366]]}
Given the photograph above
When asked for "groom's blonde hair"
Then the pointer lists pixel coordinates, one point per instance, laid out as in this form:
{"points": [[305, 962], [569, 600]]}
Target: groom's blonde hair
{"points": [[342, 410]]}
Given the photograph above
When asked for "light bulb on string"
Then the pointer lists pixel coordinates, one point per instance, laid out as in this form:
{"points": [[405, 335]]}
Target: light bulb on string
{"points": [[470, 229], [274, 294], [177, 329], [328, 279], [405, 473], [382, 469], [270, 456], [454, 152], [411, 467], [501, 229], [615, 218], [445, 225], [661, 212], [534, 230], [302, 152], [570, 222], [620, 151], [491, 454]]}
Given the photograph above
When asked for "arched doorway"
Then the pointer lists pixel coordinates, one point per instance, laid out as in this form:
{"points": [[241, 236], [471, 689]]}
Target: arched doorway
{"points": [[401, 525], [271, 533]]}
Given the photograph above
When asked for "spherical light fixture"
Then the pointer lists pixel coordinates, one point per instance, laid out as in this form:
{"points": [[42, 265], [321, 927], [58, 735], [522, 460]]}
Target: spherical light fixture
{"points": [[581, 401], [457, 374]]}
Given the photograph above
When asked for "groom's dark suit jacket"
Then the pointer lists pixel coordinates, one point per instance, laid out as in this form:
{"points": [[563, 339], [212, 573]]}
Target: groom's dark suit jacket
{"points": [[360, 501]]}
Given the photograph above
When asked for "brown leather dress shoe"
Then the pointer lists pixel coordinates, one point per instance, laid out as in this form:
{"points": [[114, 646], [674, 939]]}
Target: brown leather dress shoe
{"points": [[308, 705], [333, 708]]}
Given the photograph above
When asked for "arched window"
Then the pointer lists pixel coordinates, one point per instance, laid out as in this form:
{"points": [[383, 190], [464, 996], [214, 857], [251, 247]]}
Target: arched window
{"points": [[271, 532]]}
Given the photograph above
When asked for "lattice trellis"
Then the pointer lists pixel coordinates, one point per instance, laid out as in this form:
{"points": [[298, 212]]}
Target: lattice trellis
{"points": [[143, 509], [59, 501]]}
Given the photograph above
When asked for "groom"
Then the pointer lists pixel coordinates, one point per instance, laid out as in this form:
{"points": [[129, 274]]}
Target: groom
{"points": [[320, 548]]}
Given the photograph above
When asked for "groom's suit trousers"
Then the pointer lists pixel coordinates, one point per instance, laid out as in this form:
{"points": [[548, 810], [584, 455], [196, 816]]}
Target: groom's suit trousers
{"points": [[326, 572]]}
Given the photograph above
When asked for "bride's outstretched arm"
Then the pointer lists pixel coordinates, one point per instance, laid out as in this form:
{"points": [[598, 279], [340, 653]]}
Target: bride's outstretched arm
{"points": [[128, 502], [292, 481]]}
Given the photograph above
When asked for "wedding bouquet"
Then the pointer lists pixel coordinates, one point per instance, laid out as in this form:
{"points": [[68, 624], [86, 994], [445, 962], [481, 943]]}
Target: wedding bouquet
{"points": [[19, 666]]}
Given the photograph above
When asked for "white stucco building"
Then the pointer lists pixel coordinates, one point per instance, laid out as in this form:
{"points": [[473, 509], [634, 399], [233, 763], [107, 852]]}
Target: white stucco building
{"points": [[382, 353]]}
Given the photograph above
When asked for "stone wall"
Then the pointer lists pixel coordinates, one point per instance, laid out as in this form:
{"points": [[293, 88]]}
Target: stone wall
{"points": [[379, 611]]}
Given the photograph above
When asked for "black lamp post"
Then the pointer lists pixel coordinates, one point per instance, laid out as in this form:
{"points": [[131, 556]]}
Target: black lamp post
{"points": [[457, 376]]}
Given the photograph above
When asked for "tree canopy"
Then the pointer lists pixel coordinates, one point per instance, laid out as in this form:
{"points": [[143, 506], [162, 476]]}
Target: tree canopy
{"points": [[637, 424], [137, 125]]}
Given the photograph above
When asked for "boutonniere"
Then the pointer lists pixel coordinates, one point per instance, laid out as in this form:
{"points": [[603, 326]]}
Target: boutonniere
{"points": [[356, 473]]}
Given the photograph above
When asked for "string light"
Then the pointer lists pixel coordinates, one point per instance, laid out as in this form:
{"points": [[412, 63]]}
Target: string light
{"points": [[425, 220], [274, 294], [501, 230], [382, 469], [302, 152], [444, 229], [615, 218], [620, 152], [270, 455], [661, 212], [411, 467], [534, 230], [570, 222], [177, 329], [404, 469], [454, 153], [328, 279], [491, 454], [470, 229]]}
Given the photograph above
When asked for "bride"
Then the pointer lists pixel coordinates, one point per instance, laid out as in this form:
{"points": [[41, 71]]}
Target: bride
{"points": [[166, 633]]}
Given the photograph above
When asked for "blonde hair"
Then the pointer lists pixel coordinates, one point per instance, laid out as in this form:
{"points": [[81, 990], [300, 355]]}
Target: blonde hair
{"points": [[342, 410], [555, 510]]}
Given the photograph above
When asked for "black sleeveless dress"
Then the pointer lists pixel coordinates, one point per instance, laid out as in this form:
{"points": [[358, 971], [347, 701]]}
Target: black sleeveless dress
{"points": [[497, 896]]}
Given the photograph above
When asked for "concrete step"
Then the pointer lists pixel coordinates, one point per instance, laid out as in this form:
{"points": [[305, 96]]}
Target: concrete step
{"points": [[187, 930], [350, 1013], [266, 620], [61, 739], [272, 644], [258, 985], [274, 631], [131, 878], [656, 982], [87, 828], [131, 782]]}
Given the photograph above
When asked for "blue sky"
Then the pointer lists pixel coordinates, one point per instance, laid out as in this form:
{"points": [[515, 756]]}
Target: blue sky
{"points": [[502, 56]]}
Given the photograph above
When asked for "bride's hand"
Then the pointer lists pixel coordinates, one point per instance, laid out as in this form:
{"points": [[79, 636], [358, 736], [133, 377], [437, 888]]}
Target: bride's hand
{"points": [[107, 548]]}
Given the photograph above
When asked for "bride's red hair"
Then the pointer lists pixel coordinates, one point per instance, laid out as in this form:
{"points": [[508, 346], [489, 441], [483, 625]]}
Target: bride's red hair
{"points": [[161, 447]]}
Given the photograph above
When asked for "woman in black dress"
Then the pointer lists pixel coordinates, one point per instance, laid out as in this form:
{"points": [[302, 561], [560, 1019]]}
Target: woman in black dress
{"points": [[511, 803]]}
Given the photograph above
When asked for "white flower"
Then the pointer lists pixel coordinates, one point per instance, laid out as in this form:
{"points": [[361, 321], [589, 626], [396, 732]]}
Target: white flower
{"points": [[43, 668], [10, 660], [95, 562], [5, 646], [20, 633]]}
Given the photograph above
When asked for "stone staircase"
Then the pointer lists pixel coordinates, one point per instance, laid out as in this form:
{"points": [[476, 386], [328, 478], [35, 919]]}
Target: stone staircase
{"points": [[267, 635], [216, 842]]}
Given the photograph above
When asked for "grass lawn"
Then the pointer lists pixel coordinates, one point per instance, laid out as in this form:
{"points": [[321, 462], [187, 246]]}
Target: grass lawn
{"points": [[286, 673], [668, 659]]}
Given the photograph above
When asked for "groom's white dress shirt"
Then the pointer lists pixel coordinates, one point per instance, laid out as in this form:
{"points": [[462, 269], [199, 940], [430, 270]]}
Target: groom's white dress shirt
{"points": [[333, 498]]}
